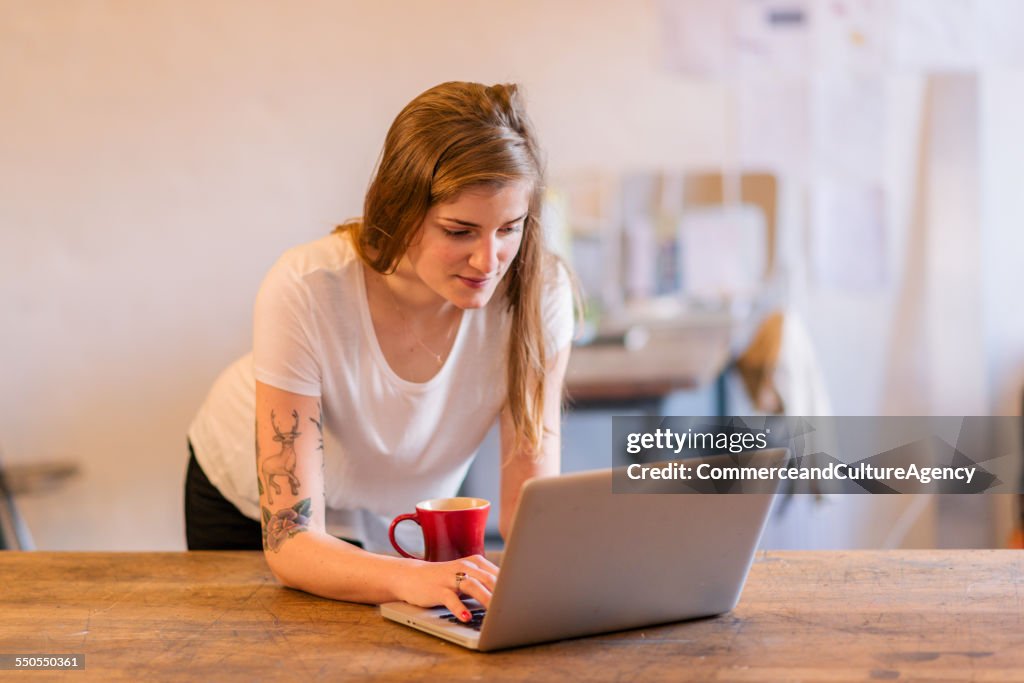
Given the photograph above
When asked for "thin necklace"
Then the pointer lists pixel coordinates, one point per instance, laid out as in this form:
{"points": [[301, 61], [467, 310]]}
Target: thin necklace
{"points": [[408, 328]]}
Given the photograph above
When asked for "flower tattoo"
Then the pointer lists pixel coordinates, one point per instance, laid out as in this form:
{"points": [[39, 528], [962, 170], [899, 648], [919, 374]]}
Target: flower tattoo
{"points": [[278, 527]]}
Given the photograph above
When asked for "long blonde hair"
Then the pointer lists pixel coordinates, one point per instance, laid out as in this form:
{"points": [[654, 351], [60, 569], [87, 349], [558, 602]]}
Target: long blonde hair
{"points": [[452, 137]]}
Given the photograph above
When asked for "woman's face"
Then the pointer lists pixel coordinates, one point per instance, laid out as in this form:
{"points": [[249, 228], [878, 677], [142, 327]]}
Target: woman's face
{"points": [[466, 246]]}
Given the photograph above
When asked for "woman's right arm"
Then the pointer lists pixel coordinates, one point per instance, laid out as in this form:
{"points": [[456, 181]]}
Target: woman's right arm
{"points": [[300, 552]]}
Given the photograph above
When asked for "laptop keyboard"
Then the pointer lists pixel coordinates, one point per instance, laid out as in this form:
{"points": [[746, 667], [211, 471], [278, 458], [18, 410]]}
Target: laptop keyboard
{"points": [[475, 623]]}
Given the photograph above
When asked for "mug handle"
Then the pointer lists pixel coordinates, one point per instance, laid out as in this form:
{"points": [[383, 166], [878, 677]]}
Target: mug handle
{"points": [[391, 533]]}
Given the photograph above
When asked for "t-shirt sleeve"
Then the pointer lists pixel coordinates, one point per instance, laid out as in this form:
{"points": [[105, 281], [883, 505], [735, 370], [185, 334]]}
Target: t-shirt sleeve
{"points": [[285, 347], [557, 311]]}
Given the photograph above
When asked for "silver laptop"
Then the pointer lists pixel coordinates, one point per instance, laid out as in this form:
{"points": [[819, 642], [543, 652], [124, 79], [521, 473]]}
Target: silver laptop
{"points": [[581, 560]]}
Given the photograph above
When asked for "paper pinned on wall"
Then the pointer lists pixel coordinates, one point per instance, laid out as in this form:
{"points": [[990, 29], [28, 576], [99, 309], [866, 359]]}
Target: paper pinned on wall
{"points": [[774, 119], [849, 132], [848, 236], [773, 37], [852, 35], [699, 37], [1000, 25], [724, 250], [958, 35], [757, 38], [724, 38], [936, 35]]}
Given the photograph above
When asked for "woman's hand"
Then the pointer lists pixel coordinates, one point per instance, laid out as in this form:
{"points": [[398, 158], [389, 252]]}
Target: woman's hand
{"points": [[428, 584]]}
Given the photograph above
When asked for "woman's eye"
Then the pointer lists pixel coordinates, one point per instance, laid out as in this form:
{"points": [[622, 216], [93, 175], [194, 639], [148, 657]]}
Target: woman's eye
{"points": [[511, 229], [456, 233]]}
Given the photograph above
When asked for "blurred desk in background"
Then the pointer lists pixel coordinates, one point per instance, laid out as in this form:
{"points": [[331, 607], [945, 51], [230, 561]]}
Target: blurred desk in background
{"points": [[684, 357]]}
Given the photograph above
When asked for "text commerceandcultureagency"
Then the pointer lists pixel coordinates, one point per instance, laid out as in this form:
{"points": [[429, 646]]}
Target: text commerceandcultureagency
{"points": [[859, 472]]}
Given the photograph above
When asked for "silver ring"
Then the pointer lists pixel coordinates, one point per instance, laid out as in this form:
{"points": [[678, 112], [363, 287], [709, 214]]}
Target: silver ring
{"points": [[459, 578]]}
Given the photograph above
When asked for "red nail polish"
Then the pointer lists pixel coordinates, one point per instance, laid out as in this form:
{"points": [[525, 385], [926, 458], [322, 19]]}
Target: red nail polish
{"points": [[465, 616]]}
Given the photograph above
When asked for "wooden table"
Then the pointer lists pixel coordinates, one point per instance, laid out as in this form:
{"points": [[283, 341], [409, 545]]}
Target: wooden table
{"points": [[804, 616]]}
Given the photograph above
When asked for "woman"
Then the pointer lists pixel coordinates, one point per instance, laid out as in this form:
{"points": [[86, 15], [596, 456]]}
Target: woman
{"points": [[383, 353]]}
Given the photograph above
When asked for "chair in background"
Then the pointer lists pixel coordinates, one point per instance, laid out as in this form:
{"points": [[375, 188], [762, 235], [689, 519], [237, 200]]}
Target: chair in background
{"points": [[14, 534], [756, 365], [27, 478], [759, 360], [1017, 537]]}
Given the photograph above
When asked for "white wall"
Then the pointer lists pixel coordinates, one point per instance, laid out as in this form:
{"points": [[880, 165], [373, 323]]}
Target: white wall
{"points": [[155, 157], [1002, 242]]}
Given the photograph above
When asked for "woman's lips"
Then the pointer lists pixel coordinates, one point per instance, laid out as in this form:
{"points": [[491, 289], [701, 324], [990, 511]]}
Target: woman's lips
{"points": [[475, 283]]}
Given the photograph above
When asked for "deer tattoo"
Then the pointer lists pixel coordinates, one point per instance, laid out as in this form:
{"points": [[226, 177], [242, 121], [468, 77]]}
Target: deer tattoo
{"points": [[282, 464]]}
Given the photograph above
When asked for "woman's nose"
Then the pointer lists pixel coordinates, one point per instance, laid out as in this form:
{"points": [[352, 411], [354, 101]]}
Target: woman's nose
{"points": [[485, 256]]}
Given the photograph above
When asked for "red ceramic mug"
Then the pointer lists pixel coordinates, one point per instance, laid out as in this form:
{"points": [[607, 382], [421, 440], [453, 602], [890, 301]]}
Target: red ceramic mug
{"points": [[452, 528]]}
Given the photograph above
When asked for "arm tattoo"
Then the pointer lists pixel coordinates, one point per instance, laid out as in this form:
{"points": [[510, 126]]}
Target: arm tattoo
{"points": [[285, 523], [283, 463], [320, 431], [279, 526], [319, 426], [259, 480]]}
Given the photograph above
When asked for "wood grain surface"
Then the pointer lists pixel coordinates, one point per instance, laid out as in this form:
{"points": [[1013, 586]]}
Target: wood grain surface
{"points": [[804, 616]]}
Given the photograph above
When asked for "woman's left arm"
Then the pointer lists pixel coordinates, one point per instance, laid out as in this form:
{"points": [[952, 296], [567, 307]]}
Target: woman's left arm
{"points": [[519, 466]]}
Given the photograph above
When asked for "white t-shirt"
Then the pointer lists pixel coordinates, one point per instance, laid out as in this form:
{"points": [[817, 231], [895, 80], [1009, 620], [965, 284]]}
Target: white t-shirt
{"points": [[388, 443]]}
